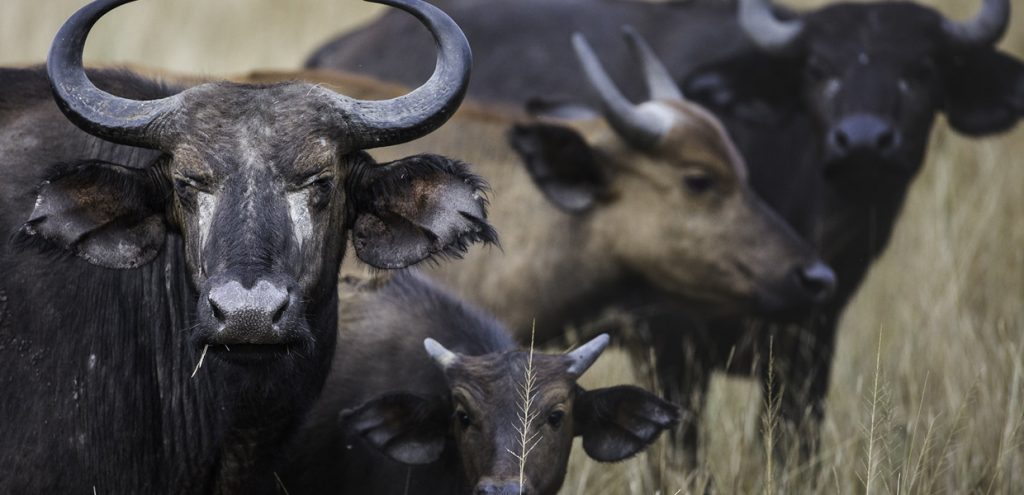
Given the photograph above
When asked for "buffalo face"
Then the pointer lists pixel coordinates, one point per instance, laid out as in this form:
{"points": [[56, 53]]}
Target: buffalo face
{"points": [[483, 418], [664, 195], [870, 78], [262, 183]]}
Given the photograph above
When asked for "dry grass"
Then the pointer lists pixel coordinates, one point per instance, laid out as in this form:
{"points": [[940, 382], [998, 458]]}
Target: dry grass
{"points": [[945, 414]]}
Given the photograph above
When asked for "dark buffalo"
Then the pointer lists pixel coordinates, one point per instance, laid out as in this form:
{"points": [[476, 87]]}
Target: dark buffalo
{"points": [[831, 109], [168, 304], [450, 420]]}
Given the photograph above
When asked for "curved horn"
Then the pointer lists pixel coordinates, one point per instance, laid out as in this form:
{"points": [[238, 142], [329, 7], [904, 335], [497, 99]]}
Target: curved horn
{"points": [[373, 124], [443, 357], [95, 111], [584, 357], [638, 128], [660, 85], [984, 29], [764, 29]]}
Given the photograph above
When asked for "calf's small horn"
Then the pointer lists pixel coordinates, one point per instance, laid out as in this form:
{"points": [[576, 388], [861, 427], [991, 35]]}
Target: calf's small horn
{"points": [[765, 30], [640, 129], [986, 28], [582, 358], [660, 85], [443, 357]]}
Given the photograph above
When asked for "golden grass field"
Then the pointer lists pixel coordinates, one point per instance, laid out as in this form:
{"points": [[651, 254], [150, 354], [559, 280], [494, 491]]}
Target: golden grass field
{"points": [[941, 316]]}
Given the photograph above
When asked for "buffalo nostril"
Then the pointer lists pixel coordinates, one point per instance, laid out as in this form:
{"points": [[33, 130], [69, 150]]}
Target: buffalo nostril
{"points": [[279, 312], [217, 311], [886, 141], [841, 140], [817, 280]]}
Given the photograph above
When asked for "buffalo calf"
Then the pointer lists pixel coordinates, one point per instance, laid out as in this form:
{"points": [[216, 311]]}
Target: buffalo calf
{"points": [[451, 419]]}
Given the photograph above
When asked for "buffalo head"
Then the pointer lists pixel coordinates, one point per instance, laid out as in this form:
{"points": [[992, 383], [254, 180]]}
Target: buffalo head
{"points": [[663, 193], [871, 78], [484, 417], [261, 183]]}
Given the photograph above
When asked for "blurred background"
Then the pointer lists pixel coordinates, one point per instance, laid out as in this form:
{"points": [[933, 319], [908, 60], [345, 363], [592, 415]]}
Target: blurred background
{"points": [[942, 313]]}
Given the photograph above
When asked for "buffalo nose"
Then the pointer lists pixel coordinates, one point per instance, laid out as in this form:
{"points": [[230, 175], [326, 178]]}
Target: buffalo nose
{"points": [[864, 133], [249, 314], [816, 280], [491, 488]]}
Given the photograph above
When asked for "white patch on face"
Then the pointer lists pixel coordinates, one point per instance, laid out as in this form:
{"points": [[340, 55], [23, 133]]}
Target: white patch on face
{"points": [[207, 205], [863, 58], [904, 86], [832, 88], [298, 211]]}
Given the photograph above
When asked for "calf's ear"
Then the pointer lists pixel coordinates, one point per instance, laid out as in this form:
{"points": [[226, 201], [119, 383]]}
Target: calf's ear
{"points": [[407, 428], [984, 92], [561, 164], [109, 215], [618, 422], [415, 208]]}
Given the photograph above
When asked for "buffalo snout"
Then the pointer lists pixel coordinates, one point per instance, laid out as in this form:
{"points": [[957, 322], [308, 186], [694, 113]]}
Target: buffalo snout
{"points": [[816, 281], [488, 486], [262, 316], [864, 134]]}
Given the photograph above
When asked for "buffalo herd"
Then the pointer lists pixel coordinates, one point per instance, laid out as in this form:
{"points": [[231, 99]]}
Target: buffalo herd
{"points": [[177, 314]]}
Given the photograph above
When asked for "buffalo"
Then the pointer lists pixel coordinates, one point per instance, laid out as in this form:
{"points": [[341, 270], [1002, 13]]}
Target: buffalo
{"points": [[831, 110], [450, 418], [168, 298]]}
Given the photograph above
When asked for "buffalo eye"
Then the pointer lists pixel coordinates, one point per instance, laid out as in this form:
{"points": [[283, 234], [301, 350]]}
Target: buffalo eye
{"points": [[321, 190], [464, 419], [555, 418], [185, 186], [818, 70], [699, 183]]}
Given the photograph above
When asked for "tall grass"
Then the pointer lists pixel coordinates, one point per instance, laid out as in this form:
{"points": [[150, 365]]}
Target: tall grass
{"points": [[944, 379]]}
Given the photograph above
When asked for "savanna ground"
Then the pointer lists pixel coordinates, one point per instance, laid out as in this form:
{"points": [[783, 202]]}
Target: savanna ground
{"points": [[928, 381]]}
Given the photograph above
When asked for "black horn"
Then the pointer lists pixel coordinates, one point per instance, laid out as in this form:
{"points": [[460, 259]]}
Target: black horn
{"points": [[374, 124], [984, 29], [660, 85], [97, 112], [639, 128], [765, 30]]}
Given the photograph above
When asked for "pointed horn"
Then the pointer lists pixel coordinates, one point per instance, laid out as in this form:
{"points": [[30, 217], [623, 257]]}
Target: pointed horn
{"points": [[984, 29], [443, 357], [765, 30], [97, 112], [584, 357], [660, 85], [376, 123], [637, 128]]}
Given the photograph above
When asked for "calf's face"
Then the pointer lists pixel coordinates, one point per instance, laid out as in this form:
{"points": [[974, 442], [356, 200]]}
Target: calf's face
{"points": [[506, 445]]}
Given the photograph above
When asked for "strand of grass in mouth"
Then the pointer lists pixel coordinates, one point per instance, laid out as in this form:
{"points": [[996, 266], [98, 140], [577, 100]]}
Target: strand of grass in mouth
{"points": [[200, 363]]}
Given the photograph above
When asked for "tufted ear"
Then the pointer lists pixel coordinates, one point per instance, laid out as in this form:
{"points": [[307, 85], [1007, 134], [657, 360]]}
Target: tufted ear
{"points": [[109, 215], [561, 163], [618, 422], [407, 428], [412, 209], [984, 92]]}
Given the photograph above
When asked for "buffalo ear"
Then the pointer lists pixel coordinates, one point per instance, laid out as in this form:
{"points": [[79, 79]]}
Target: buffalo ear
{"points": [[561, 163], [109, 215], [421, 206], [618, 422], [751, 87], [407, 428], [984, 92]]}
